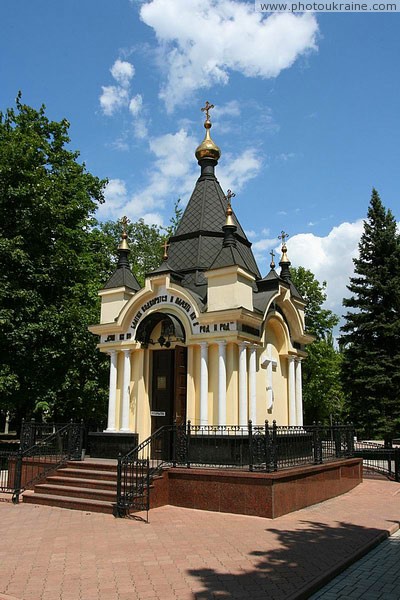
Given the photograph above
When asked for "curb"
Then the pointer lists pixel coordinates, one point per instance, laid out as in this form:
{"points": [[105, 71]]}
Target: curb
{"points": [[305, 592]]}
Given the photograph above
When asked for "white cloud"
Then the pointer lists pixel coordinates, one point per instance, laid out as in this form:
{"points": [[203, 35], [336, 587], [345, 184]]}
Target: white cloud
{"points": [[236, 171], [204, 40], [136, 104], [230, 109], [172, 175], [116, 97], [113, 98], [122, 71], [330, 258]]}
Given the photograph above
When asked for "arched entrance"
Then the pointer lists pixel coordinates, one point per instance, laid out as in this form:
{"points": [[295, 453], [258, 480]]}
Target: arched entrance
{"points": [[164, 335]]}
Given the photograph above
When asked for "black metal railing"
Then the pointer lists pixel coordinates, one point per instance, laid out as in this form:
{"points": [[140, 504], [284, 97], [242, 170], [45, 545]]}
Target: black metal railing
{"points": [[166, 446], [33, 464], [379, 458], [33, 432], [7, 460], [267, 448]]}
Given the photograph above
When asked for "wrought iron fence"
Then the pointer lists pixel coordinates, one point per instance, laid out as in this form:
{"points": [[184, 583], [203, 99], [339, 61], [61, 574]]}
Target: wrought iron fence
{"points": [[7, 460], [252, 447], [33, 432], [33, 464], [140, 465], [378, 458]]}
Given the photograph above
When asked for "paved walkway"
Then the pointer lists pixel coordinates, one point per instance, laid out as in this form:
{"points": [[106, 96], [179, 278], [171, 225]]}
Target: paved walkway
{"points": [[377, 575], [51, 553]]}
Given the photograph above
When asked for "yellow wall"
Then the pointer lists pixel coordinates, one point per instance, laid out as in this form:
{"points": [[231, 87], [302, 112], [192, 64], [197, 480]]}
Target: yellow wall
{"points": [[232, 365], [229, 288]]}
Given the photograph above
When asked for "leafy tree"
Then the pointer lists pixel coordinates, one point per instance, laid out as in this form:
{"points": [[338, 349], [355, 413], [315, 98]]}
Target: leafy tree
{"points": [[371, 333], [145, 242], [52, 263], [322, 391]]}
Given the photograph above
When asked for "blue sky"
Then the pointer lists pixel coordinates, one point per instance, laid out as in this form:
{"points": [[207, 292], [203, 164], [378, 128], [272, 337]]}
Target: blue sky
{"points": [[307, 110]]}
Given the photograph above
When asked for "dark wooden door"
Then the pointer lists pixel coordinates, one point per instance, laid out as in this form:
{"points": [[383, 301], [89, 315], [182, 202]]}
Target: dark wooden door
{"points": [[180, 384], [162, 400]]}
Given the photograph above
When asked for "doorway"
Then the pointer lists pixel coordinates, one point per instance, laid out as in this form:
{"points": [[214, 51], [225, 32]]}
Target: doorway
{"points": [[168, 398]]}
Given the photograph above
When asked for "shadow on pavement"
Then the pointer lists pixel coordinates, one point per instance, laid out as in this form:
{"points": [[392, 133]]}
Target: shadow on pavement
{"points": [[304, 559]]}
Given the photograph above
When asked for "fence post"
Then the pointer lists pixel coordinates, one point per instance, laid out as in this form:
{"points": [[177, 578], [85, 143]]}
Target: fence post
{"points": [[188, 444], [119, 512], [174, 442], [317, 444], [17, 477], [397, 464], [267, 447], [27, 434], [274, 445], [250, 430], [337, 438]]}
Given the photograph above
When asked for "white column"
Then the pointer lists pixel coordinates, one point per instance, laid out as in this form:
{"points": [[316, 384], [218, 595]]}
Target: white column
{"points": [[112, 391], [299, 393], [222, 382], [243, 415], [252, 385], [126, 392], [204, 383], [270, 391], [292, 392]]}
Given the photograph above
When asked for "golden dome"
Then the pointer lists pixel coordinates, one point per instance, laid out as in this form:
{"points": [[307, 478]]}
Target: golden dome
{"points": [[207, 148]]}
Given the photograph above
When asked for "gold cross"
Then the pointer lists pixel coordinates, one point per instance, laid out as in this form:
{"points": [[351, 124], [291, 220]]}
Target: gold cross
{"points": [[124, 222], [165, 245], [229, 196], [284, 236], [206, 109]]}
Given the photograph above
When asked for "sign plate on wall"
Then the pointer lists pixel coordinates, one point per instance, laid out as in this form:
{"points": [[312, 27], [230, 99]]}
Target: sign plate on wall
{"points": [[157, 413]]}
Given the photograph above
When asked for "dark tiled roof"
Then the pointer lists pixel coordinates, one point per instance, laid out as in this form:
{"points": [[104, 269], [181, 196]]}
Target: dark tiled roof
{"points": [[122, 277], [198, 239]]}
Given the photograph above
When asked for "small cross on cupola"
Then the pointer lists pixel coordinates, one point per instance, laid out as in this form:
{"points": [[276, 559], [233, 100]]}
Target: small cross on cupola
{"points": [[272, 263], [165, 247], [284, 263]]}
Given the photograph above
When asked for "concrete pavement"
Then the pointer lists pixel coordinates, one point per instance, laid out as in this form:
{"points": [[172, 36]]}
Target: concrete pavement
{"points": [[50, 553]]}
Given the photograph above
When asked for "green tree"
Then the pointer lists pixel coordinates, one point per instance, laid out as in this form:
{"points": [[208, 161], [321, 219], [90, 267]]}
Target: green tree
{"points": [[52, 263], [145, 242], [322, 391], [371, 333]]}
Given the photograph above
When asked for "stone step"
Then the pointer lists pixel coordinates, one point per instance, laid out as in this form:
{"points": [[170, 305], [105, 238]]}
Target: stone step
{"points": [[89, 464], [99, 484], [68, 502], [76, 492], [87, 473]]}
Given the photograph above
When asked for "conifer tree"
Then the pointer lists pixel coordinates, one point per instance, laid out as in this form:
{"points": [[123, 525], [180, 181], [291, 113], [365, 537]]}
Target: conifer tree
{"points": [[371, 333]]}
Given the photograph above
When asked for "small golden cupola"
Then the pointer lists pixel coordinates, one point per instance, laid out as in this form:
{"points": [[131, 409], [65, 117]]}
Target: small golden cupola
{"points": [[207, 148], [284, 263]]}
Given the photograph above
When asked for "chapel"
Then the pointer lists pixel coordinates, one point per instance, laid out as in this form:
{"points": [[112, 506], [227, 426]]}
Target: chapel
{"points": [[207, 338]]}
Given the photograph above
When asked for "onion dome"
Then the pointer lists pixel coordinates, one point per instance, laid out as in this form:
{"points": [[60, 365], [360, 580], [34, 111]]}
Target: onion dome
{"points": [[284, 263]]}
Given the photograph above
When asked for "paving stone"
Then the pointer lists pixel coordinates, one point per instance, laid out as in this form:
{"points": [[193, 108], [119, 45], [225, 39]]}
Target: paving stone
{"points": [[186, 554]]}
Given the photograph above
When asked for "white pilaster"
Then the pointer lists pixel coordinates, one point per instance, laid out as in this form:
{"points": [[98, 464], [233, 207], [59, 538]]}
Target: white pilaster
{"points": [[299, 393], [222, 382], [243, 414], [252, 385], [125, 401], [112, 391], [203, 383], [292, 392]]}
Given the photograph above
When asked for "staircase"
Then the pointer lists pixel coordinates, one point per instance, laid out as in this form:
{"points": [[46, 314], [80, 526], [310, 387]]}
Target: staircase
{"points": [[89, 485]]}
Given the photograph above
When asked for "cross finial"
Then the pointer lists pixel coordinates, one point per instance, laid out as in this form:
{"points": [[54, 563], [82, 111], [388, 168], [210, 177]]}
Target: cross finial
{"points": [[229, 196], [165, 246], [124, 222], [272, 263], [206, 109], [284, 236]]}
